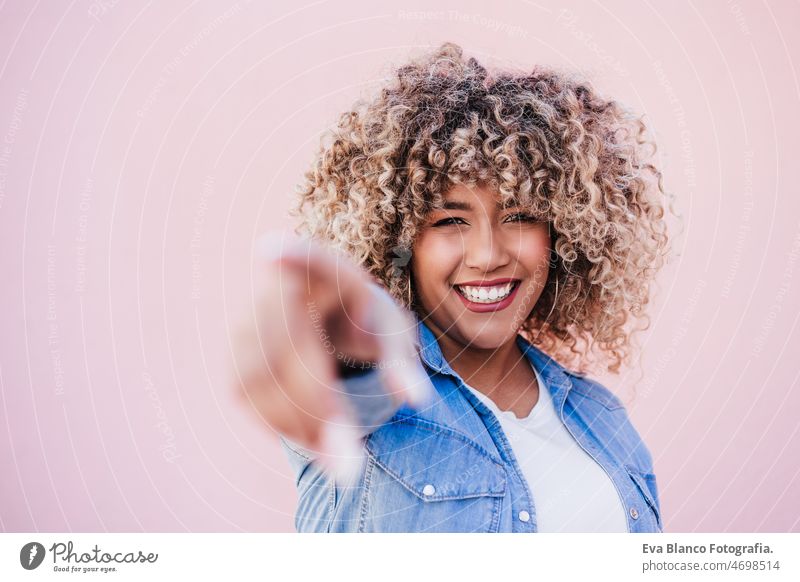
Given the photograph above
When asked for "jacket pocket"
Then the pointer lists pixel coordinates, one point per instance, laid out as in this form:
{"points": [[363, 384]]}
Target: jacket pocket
{"points": [[427, 477], [647, 485]]}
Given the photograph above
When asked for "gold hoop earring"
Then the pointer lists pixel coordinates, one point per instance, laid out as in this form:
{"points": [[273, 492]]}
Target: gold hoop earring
{"points": [[555, 300]]}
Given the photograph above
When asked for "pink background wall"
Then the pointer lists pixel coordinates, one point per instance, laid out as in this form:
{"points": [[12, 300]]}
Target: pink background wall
{"points": [[143, 148]]}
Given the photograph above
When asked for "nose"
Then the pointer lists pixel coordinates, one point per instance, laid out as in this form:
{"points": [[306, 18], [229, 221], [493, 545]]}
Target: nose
{"points": [[485, 250]]}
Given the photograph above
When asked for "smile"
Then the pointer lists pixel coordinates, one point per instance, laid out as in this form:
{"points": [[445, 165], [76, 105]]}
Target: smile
{"points": [[483, 298], [486, 294]]}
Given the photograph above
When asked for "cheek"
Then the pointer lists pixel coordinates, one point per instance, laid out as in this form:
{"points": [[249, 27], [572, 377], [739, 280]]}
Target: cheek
{"points": [[535, 253], [434, 260]]}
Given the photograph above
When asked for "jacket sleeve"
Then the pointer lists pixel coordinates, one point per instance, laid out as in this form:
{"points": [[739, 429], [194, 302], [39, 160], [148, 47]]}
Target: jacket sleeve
{"points": [[316, 490]]}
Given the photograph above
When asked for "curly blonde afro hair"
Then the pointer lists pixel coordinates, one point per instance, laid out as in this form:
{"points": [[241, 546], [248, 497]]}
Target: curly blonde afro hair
{"points": [[541, 138]]}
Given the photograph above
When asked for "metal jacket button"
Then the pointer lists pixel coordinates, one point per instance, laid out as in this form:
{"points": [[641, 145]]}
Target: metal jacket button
{"points": [[428, 490], [634, 513], [524, 515]]}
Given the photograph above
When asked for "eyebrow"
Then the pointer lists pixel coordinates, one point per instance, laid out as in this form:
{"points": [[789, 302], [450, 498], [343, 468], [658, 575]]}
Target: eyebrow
{"points": [[459, 205]]}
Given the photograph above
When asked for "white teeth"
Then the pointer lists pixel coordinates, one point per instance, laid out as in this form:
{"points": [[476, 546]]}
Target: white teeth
{"points": [[486, 294]]}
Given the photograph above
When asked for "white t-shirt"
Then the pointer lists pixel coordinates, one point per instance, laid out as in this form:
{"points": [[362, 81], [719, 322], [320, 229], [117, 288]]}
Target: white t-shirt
{"points": [[571, 491]]}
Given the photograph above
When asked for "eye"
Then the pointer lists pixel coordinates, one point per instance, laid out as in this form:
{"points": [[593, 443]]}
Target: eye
{"points": [[448, 221], [522, 216]]}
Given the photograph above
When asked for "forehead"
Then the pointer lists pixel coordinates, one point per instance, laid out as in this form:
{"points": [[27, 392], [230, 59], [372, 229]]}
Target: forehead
{"points": [[463, 197]]}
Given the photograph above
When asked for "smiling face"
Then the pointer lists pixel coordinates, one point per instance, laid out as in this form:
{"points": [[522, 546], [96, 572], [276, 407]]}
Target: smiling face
{"points": [[479, 269]]}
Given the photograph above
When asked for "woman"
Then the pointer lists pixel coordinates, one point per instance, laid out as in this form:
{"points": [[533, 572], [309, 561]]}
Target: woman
{"points": [[507, 221]]}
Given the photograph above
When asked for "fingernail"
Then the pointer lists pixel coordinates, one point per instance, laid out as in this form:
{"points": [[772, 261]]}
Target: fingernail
{"points": [[342, 453]]}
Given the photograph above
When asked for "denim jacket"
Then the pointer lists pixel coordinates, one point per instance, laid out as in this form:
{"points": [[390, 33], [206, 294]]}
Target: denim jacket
{"points": [[448, 467]]}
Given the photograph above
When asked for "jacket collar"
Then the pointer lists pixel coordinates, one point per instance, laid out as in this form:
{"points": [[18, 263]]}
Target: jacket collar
{"points": [[555, 376]]}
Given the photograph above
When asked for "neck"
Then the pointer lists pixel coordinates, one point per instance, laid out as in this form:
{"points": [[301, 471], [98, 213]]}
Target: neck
{"points": [[487, 370]]}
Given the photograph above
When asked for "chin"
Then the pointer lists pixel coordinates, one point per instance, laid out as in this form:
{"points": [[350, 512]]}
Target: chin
{"points": [[488, 337]]}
